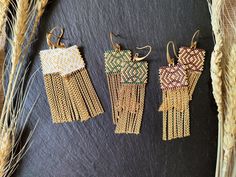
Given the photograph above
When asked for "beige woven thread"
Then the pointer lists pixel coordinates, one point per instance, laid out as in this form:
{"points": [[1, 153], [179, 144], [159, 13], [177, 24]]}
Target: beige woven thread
{"points": [[131, 105], [175, 108], [62, 60]]}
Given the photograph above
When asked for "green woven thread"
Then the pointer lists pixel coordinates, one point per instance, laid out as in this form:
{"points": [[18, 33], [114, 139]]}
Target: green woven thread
{"points": [[114, 60], [134, 72]]}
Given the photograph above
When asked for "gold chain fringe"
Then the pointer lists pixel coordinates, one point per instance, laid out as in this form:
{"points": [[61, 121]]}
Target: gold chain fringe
{"points": [[131, 105], [175, 107], [192, 79], [114, 87], [72, 97]]}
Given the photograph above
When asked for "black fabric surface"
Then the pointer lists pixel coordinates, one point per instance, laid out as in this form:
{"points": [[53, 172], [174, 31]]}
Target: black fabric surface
{"points": [[91, 149]]}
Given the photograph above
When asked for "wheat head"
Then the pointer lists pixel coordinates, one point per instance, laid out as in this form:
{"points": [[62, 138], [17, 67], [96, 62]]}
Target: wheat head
{"points": [[41, 5], [19, 30]]}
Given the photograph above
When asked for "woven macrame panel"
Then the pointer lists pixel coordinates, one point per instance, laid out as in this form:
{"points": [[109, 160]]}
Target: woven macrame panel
{"points": [[193, 59], [173, 76], [61, 60], [114, 60], [134, 72]]}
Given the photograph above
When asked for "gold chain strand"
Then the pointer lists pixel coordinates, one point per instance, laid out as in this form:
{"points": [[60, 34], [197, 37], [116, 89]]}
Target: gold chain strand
{"points": [[58, 86], [174, 114], [85, 93], [111, 85], [51, 97], [93, 94], [76, 97], [164, 95], [67, 104], [141, 107], [170, 115], [132, 111], [113, 91], [179, 117], [186, 114], [193, 79], [71, 114]]}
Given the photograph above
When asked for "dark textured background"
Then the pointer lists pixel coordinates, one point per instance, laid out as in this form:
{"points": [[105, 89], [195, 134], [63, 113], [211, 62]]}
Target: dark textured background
{"points": [[91, 149]]}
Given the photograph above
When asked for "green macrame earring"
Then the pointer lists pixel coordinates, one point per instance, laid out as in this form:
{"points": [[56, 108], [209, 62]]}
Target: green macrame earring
{"points": [[113, 64], [134, 75]]}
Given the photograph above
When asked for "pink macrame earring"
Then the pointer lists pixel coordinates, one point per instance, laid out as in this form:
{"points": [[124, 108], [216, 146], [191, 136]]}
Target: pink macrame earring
{"points": [[193, 59], [175, 99]]}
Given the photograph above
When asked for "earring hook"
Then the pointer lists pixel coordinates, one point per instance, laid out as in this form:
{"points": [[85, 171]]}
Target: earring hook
{"points": [[136, 58], [170, 60], [115, 46], [195, 36], [58, 43]]}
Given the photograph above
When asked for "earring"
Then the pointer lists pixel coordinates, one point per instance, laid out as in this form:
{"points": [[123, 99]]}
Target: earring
{"points": [[132, 93], [193, 59], [70, 92], [113, 64], [175, 105]]}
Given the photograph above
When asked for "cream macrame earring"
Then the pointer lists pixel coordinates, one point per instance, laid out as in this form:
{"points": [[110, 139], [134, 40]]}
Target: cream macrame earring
{"points": [[134, 77], [113, 64], [175, 99], [70, 92], [193, 59]]}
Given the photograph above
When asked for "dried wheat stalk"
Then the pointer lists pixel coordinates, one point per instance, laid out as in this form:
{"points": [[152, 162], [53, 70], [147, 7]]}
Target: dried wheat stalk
{"points": [[27, 13], [5, 150], [40, 7], [3, 11], [223, 75], [19, 31]]}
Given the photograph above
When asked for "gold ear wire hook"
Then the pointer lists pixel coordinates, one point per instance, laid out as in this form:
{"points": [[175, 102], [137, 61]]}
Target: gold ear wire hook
{"points": [[194, 43], [58, 43], [170, 60], [136, 58], [115, 46]]}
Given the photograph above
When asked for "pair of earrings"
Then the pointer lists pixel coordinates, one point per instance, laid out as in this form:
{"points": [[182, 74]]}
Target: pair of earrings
{"points": [[178, 83], [69, 89], [127, 79]]}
